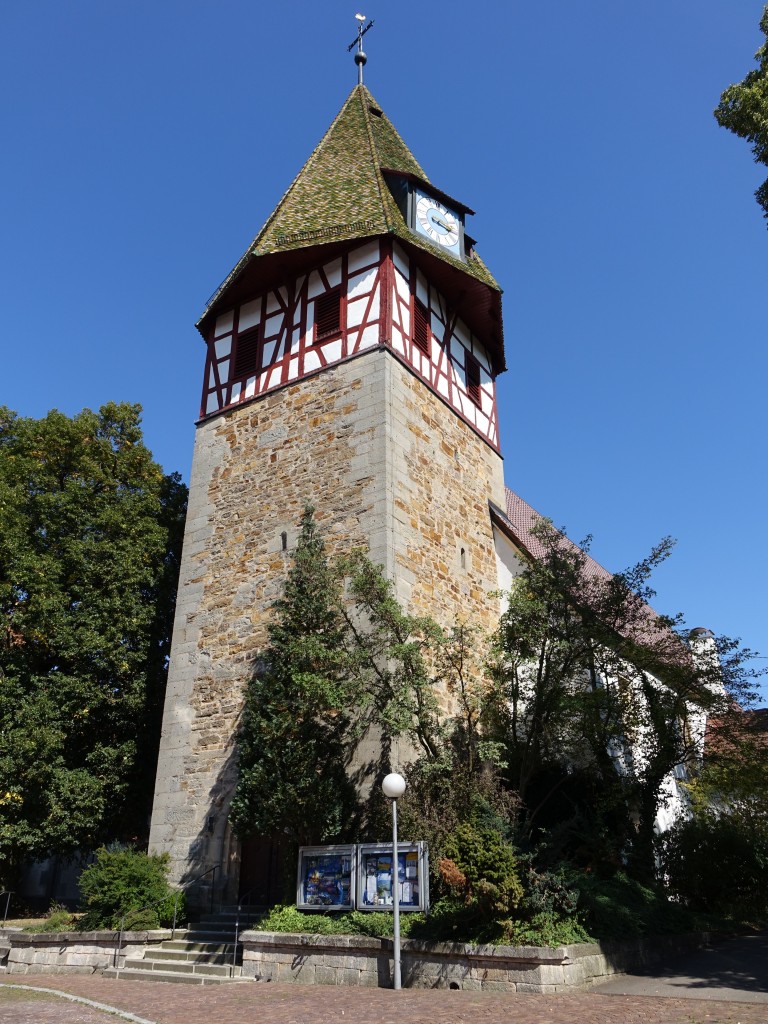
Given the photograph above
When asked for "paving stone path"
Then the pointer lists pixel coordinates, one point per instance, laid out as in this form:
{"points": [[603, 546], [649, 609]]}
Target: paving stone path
{"points": [[256, 1003]]}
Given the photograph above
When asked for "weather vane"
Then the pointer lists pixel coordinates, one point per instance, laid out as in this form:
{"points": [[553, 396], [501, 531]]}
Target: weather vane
{"points": [[360, 57]]}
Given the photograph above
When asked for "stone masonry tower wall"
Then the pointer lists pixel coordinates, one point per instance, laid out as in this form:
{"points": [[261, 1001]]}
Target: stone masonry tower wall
{"points": [[388, 466]]}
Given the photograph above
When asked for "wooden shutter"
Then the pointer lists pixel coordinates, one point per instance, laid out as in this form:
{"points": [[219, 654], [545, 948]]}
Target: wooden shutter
{"points": [[421, 326], [247, 353], [473, 378], [328, 315]]}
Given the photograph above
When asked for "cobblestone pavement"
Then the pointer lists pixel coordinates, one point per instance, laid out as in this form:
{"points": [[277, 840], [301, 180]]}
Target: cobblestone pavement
{"points": [[254, 1003]]}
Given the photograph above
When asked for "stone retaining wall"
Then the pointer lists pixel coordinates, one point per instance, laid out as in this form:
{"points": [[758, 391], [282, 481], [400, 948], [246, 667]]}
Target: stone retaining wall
{"points": [[72, 952], [360, 961], [367, 962]]}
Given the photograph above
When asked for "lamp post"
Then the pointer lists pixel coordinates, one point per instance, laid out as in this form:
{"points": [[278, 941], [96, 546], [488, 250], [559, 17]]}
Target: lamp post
{"points": [[394, 787]]}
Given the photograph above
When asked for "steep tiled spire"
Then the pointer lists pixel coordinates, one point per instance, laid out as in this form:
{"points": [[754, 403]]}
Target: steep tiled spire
{"points": [[340, 193]]}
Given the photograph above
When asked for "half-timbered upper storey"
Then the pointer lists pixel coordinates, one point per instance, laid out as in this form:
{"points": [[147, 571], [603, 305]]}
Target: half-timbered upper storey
{"points": [[361, 252]]}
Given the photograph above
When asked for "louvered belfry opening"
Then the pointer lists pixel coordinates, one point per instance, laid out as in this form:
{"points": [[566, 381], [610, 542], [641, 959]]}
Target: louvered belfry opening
{"points": [[247, 353], [473, 379], [421, 326], [328, 314]]}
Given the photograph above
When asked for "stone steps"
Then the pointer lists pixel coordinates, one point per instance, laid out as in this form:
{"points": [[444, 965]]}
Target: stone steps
{"points": [[175, 977], [207, 953]]}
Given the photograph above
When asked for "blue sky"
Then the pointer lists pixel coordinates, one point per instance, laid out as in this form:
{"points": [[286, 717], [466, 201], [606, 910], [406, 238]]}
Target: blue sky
{"points": [[146, 143]]}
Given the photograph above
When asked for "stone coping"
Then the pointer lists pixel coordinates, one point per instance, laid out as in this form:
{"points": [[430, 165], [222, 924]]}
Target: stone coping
{"points": [[21, 938], [541, 954]]}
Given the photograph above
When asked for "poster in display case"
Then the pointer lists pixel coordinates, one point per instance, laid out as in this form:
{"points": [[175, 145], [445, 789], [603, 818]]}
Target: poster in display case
{"points": [[326, 878], [374, 876]]}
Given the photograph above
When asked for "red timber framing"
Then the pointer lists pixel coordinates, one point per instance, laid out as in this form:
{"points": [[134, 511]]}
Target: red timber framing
{"points": [[384, 299]]}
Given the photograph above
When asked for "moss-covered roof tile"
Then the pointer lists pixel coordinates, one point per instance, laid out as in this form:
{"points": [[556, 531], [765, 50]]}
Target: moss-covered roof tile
{"points": [[340, 192]]}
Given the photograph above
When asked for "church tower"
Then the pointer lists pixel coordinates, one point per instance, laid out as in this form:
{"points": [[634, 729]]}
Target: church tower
{"points": [[351, 362]]}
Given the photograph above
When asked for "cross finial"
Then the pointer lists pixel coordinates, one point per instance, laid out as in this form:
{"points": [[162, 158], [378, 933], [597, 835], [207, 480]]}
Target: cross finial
{"points": [[360, 57]]}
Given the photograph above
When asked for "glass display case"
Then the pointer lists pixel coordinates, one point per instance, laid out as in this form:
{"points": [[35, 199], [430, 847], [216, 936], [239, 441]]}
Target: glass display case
{"points": [[374, 876], [326, 878]]}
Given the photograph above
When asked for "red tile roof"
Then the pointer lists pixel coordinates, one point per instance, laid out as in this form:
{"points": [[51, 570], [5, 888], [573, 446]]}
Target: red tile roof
{"points": [[521, 519]]}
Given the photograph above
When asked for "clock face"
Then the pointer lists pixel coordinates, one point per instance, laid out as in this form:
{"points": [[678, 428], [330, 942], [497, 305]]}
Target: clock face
{"points": [[437, 222]]}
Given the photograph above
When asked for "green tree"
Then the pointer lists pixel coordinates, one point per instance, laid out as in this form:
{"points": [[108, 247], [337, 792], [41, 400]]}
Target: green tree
{"points": [[343, 662], [90, 541], [743, 110], [293, 743], [602, 699]]}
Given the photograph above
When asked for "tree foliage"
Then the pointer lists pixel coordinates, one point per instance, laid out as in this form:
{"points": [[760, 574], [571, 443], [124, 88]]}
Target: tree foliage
{"points": [[343, 662], [602, 700], [127, 886], [90, 542], [544, 754], [743, 110]]}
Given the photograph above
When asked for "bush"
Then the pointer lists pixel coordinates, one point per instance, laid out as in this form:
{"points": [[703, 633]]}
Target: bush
{"points": [[480, 869], [621, 907], [125, 883], [355, 922], [59, 919], [718, 864]]}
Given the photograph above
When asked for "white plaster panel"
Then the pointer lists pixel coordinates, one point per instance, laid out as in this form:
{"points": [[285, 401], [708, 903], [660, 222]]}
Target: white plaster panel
{"points": [[356, 312], [363, 257], [295, 339], [401, 287], [361, 284], [399, 346], [224, 370], [273, 299], [293, 373], [487, 402], [250, 315], [273, 325], [405, 313], [311, 361], [250, 388], [400, 261], [442, 387], [481, 356], [212, 404], [422, 293], [236, 389], [315, 286], [224, 323], [483, 423], [332, 351], [508, 564], [460, 331], [375, 306], [369, 337], [333, 272], [212, 384], [269, 351], [274, 376], [223, 347]]}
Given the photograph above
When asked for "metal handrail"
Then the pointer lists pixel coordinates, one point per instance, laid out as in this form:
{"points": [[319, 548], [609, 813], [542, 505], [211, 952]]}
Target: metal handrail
{"points": [[240, 904], [151, 906], [7, 893]]}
